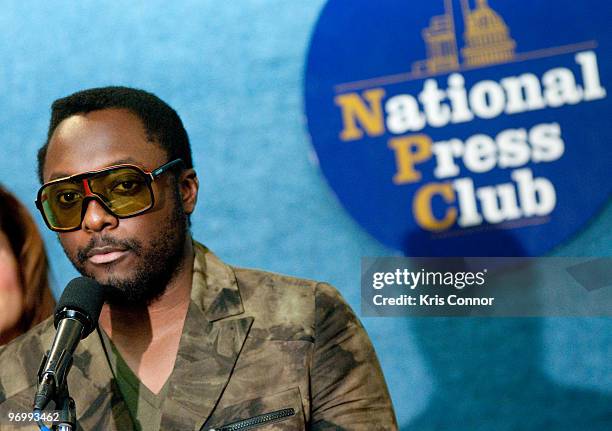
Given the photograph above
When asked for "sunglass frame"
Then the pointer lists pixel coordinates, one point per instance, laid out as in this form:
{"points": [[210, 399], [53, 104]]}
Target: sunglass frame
{"points": [[150, 177]]}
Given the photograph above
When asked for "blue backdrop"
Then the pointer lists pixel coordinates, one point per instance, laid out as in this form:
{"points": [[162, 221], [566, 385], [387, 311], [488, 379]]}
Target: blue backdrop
{"points": [[234, 71]]}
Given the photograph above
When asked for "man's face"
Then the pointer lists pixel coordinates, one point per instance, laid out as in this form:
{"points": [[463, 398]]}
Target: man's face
{"points": [[135, 256]]}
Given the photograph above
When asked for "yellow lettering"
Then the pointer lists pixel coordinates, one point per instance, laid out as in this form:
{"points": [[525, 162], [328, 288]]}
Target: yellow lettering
{"points": [[421, 206], [354, 110], [409, 150]]}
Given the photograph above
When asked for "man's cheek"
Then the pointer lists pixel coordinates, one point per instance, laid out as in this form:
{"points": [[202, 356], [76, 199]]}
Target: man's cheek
{"points": [[70, 246]]}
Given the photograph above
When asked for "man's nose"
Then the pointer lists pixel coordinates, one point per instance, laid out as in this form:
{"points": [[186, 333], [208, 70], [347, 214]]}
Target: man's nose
{"points": [[97, 217]]}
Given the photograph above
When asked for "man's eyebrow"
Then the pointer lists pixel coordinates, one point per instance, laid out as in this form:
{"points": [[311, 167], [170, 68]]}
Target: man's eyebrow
{"points": [[130, 160]]}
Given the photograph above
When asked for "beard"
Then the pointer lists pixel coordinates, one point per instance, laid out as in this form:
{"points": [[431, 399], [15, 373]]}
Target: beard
{"points": [[158, 262]]}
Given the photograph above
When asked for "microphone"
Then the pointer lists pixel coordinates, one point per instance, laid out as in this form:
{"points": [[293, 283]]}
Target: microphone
{"points": [[76, 316]]}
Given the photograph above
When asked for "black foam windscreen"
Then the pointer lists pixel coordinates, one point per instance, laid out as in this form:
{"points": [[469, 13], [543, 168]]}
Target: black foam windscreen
{"points": [[82, 295]]}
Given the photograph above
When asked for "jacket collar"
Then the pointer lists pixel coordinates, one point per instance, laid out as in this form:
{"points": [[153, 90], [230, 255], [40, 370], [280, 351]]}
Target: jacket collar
{"points": [[214, 288], [212, 339]]}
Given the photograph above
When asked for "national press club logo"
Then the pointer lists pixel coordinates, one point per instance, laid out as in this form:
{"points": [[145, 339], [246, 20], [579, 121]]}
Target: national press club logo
{"points": [[462, 127]]}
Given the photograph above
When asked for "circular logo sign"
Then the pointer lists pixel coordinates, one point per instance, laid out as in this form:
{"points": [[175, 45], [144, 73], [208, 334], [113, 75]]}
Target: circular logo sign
{"points": [[463, 127]]}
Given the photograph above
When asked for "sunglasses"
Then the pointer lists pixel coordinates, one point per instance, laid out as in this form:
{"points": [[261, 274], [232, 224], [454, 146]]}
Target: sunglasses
{"points": [[124, 191]]}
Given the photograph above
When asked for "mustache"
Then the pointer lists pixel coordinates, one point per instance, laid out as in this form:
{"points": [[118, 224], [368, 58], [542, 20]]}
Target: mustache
{"points": [[106, 240]]}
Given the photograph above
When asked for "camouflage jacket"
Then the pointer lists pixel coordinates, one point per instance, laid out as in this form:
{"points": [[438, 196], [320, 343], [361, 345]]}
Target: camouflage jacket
{"points": [[258, 349]]}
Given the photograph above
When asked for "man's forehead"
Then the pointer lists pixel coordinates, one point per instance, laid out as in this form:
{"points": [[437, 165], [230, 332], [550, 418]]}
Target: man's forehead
{"points": [[111, 121], [93, 141]]}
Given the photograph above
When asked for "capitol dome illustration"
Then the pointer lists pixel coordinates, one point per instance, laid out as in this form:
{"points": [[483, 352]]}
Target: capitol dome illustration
{"points": [[487, 38]]}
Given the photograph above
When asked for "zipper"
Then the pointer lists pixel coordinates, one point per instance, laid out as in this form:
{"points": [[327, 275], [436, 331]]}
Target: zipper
{"points": [[256, 421]]}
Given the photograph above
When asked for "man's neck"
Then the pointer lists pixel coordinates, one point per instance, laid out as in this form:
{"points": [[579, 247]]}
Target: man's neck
{"points": [[148, 337]]}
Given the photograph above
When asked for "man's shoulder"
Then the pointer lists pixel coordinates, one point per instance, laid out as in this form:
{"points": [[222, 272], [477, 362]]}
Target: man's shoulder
{"points": [[282, 298], [21, 358], [276, 297], [273, 282], [287, 303]]}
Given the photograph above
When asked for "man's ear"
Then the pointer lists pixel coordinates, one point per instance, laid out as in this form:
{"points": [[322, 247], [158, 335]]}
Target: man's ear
{"points": [[189, 186]]}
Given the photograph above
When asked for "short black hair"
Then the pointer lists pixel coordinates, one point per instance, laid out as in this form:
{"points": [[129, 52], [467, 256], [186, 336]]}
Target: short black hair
{"points": [[161, 123]]}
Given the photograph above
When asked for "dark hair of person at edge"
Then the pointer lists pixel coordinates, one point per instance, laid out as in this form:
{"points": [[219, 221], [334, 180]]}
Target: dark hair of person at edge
{"points": [[25, 297]]}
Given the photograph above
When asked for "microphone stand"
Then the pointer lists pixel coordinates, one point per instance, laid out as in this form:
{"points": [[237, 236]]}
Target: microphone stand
{"points": [[64, 403], [54, 383], [67, 417]]}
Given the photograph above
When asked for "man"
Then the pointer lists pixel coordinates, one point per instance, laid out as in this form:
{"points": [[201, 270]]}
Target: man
{"points": [[185, 342]]}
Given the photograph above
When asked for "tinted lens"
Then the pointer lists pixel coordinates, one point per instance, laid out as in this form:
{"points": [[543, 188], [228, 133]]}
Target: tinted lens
{"points": [[61, 204], [125, 191]]}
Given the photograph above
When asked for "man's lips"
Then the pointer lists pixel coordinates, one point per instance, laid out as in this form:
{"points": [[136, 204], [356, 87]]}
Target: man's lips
{"points": [[99, 255]]}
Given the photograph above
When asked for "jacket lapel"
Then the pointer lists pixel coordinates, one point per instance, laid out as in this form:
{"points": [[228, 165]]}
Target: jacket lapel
{"points": [[98, 400], [212, 339]]}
